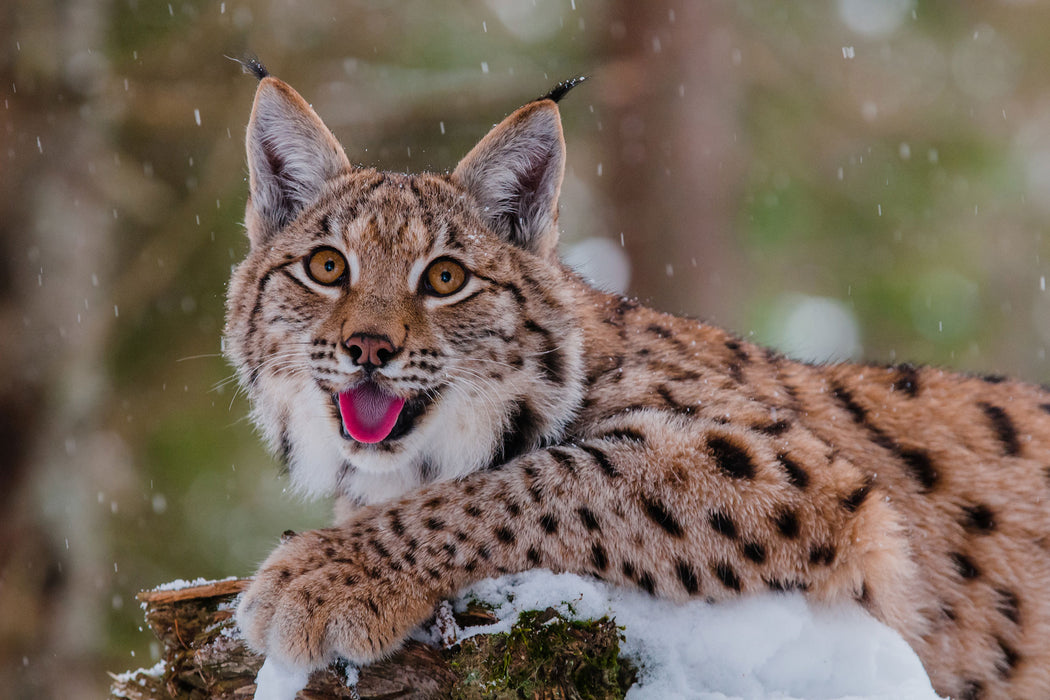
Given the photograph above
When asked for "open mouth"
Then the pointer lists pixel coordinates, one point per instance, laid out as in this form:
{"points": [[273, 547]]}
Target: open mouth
{"points": [[370, 415]]}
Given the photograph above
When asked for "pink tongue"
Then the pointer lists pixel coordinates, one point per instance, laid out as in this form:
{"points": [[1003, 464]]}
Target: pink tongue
{"points": [[369, 414]]}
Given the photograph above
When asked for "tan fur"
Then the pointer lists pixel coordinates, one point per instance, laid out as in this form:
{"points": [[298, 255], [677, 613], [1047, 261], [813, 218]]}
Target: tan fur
{"points": [[577, 431]]}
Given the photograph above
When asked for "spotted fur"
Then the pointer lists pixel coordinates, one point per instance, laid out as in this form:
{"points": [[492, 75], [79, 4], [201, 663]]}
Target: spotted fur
{"points": [[548, 424]]}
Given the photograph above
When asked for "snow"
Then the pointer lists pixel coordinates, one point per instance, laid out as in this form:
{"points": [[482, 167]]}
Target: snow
{"points": [[277, 682], [775, 646], [179, 584]]}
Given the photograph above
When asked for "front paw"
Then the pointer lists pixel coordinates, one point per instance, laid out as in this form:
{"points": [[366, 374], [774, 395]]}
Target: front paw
{"points": [[318, 598]]}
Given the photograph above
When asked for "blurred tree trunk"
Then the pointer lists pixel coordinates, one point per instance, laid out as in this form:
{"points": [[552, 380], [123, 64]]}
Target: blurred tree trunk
{"points": [[675, 174], [56, 224]]}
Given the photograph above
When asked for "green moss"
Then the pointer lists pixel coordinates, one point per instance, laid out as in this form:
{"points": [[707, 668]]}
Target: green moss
{"points": [[544, 656]]}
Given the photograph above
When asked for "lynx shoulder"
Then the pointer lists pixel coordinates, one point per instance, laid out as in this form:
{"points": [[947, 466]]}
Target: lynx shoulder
{"points": [[412, 344]]}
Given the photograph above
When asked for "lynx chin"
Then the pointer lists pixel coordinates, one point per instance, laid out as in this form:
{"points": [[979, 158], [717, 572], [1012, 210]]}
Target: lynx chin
{"points": [[412, 344]]}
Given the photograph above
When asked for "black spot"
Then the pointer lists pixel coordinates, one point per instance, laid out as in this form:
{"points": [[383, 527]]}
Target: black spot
{"points": [[659, 514], [433, 503], [795, 473], [688, 577], [522, 432], [948, 610], [395, 522], [285, 455], [979, 518], [1009, 606], [380, 549], [670, 402], [921, 467], [727, 576], [846, 398], [972, 690], [549, 523], [822, 554], [755, 552], [742, 359], [775, 429], [372, 606], [588, 518], [787, 523], [628, 570], [1045, 407], [722, 524], [483, 552], [623, 434], [917, 461], [1010, 658], [1004, 428], [505, 535], [646, 583], [965, 566], [564, 458], [994, 378], [599, 558], [731, 458], [854, 500], [907, 380], [473, 510], [601, 459], [659, 331], [533, 556], [551, 361]]}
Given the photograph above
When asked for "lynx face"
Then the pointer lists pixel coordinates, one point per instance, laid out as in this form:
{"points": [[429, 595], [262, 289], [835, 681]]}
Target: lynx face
{"points": [[393, 330]]}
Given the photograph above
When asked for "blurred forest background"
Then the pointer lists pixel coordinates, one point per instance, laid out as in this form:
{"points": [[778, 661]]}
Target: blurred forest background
{"points": [[837, 178]]}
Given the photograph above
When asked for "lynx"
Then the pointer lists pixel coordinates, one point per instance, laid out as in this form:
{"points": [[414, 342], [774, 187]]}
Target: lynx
{"points": [[412, 344]]}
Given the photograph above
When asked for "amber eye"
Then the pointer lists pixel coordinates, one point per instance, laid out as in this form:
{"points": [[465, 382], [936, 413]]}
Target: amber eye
{"points": [[325, 266], [444, 276]]}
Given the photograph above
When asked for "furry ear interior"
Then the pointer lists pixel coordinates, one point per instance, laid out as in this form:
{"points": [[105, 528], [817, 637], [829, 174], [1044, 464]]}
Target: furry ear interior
{"points": [[515, 174], [291, 154]]}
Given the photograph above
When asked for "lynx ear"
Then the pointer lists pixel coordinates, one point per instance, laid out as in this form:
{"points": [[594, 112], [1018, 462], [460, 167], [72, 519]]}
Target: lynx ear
{"points": [[291, 154], [515, 174]]}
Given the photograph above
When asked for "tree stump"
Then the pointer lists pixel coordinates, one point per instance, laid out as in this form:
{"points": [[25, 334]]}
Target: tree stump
{"points": [[544, 656]]}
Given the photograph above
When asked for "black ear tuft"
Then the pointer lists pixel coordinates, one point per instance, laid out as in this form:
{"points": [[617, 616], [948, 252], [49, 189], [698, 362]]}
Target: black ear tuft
{"points": [[562, 89], [251, 64]]}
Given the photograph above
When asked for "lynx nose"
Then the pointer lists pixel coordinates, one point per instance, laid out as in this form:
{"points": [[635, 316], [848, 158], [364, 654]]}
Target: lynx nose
{"points": [[370, 350]]}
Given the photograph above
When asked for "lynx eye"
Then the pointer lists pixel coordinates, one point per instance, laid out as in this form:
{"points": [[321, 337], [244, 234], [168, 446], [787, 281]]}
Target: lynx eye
{"points": [[444, 276], [325, 266]]}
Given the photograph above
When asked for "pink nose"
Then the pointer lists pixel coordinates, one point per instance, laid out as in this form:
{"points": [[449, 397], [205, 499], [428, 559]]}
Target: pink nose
{"points": [[370, 350]]}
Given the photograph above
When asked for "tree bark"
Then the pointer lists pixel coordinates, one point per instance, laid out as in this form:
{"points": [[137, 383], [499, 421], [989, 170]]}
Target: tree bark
{"points": [[205, 658], [544, 657]]}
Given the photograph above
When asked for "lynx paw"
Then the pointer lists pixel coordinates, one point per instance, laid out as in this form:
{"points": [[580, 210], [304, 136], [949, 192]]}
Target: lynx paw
{"points": [[315, 600]]}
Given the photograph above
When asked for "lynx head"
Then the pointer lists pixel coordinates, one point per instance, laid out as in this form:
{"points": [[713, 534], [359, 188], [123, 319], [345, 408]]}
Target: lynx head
{"points": [[394, 329]]}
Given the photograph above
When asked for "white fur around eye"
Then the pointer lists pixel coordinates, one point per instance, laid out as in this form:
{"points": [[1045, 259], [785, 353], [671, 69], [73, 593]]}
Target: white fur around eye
{"points": [[415, 273], [419, 268], [355, 267], [299, 272]]}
